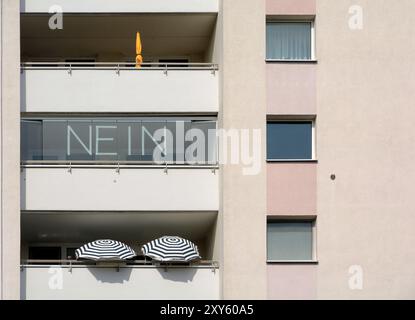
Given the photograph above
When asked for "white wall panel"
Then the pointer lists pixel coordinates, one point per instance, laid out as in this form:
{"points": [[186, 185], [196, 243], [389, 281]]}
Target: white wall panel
{"points": [[130, 189], [130, 91], [127, 283]]}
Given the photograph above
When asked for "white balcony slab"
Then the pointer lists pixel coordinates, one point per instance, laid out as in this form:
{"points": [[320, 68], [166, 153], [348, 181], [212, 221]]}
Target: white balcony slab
{"points": [[120, 6], [97, 90], [138, 189], [141, 283]]}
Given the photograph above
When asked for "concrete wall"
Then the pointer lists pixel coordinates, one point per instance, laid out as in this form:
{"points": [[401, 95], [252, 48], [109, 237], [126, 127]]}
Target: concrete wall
{"points": [[244, 107], [130, 91], [291, 7], [130, 189], [366, 137], [291, 189], [292, 281], [110, 6], [137, 283], [291, 88], [9, 145], [215, 55]]}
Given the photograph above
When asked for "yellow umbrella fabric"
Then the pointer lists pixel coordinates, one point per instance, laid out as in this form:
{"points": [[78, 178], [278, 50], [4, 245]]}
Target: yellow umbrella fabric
{"points": [[138, 48]]}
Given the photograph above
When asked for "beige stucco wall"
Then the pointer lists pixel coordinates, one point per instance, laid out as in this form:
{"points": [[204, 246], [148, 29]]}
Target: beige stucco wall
{"points": [[215, 55], [291, 7], [366, 136], [10, 150], [244, 106]]}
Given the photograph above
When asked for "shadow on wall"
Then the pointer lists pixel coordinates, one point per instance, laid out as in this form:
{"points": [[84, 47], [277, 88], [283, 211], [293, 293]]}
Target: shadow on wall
{"points": [[22, 189], [23, 102], [111, 274], [23, 284], [177, 274]]}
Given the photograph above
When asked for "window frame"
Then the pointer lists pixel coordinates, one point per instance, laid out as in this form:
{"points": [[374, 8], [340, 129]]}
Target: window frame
{"points": [[63, 248], [294, 219], [313, 57], [313, 140], [42, 245]]}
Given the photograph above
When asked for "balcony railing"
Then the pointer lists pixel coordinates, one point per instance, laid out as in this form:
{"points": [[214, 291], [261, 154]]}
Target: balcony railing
{"points": [[144, 262], [109, 87], [118, 66], [117, 165]]}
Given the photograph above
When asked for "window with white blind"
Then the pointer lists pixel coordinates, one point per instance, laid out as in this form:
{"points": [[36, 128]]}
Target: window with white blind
{"points": [[290, 40], [291, 240]]}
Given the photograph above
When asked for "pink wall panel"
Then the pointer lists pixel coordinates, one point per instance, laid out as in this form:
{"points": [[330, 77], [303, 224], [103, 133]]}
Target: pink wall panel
{"points": [[291, 88], [289, 281], [291, 7], [291, 188]]}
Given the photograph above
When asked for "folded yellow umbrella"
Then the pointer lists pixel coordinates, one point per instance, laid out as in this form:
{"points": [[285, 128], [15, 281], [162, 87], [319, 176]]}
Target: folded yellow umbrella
{"points": [[138, 48]]}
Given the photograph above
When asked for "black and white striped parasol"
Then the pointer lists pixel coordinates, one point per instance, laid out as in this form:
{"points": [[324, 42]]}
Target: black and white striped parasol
{"points": [[171, 249], [105, 250]]}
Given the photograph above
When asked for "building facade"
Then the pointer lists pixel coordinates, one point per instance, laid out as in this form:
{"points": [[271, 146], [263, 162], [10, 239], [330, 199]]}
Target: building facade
{"points": [[303, 191]]}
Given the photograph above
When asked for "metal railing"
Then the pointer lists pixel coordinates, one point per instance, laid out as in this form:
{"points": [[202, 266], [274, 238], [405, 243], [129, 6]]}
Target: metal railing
{"points": [[118, 66], [117, 165], [69, 263]]}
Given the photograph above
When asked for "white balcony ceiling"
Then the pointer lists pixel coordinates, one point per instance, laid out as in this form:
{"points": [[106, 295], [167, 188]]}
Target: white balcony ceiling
{"points": [[138, 227], [87, 35]]}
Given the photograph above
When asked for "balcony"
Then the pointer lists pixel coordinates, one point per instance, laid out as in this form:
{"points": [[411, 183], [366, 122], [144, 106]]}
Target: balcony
{"points": [[119, 163], [66, 231], [54, 282], [49, 240], [88, 66], [125, 6]]}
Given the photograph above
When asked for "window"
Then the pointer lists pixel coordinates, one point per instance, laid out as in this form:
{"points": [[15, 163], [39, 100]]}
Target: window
{"points": [[31, 135], [290, 240], [45, 253], [290, 140], [187, 140], [70, 253], [289, 40]]}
